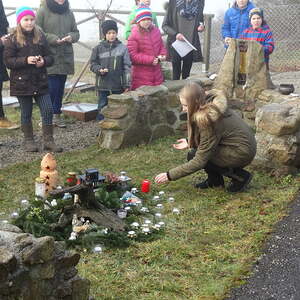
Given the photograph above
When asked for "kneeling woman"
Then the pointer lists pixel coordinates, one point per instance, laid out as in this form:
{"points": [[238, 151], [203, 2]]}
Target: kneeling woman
{"points": [[221, 142]]}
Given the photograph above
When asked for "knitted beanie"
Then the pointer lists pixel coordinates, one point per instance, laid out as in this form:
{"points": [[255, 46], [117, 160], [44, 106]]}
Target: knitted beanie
{"points": [[23, 11], [143, 12], [109, 25], [256, 11]]}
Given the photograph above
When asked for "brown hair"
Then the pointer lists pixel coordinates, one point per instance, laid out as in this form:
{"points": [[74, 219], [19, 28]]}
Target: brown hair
{"points": [[20, 37]]}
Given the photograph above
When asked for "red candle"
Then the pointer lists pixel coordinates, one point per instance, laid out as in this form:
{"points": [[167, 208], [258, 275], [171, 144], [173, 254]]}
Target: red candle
{"points": [[145, 188]]}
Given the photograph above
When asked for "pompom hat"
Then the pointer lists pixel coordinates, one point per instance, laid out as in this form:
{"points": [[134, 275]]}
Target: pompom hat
{"points": [[24, 11], [143, 12], [256, 11]]}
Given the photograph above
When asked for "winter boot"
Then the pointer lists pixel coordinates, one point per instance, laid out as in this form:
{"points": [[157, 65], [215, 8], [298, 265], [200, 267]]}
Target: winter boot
{"points": [[59, 121], [48, 141], [270, 84], [240, 180], [214, 177], [29, 143]]}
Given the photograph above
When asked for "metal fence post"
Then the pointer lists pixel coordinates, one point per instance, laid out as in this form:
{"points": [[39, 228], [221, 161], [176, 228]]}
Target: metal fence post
{"points": [[207, 39]]}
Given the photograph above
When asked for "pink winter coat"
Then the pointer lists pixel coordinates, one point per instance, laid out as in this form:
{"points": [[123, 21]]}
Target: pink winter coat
{"points": [[143, 48]]}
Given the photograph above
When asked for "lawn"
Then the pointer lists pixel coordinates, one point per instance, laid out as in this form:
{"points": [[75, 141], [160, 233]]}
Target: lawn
{"points": [[206, 250]]}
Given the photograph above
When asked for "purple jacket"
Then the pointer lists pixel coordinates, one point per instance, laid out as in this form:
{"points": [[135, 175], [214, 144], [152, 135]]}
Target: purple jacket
{"points": [[143, 48]]}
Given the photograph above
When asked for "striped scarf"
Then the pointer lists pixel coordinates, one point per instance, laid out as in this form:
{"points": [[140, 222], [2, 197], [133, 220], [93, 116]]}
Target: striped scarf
{"points": [[188, 8]]}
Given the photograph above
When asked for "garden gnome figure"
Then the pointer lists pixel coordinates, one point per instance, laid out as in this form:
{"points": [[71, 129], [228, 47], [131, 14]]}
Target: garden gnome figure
{"points": [[49, 172]]}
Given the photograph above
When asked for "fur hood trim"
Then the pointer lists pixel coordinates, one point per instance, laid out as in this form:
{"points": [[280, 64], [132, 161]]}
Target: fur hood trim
{"points": [[213, 110]]}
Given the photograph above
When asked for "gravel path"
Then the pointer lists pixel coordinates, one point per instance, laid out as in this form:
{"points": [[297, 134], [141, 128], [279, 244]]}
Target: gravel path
{"points": [[77, 135], [276, 273]]}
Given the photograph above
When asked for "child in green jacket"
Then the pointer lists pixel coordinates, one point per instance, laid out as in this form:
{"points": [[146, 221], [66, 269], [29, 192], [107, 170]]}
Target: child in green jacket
{"points": [[131, 17]]}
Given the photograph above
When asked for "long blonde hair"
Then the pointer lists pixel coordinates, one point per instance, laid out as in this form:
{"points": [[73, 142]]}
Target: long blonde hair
{"points": [[21, 39], [199, 108]]}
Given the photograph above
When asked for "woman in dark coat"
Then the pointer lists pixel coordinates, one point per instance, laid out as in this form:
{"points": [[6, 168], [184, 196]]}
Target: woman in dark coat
{"points": [[4, 122], [221, 142], [184, 18]]}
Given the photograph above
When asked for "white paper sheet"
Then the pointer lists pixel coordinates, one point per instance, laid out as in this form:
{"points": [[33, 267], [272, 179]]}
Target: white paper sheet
{"points": [[183, 47]]}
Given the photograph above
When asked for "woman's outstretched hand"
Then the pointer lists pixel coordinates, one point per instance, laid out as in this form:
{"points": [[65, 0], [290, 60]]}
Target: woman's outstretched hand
{"points": [[181, 144], [161, 178]]}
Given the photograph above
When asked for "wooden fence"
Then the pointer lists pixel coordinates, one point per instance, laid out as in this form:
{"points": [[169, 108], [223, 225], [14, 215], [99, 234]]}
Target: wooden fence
{"points": [[110, 14]]}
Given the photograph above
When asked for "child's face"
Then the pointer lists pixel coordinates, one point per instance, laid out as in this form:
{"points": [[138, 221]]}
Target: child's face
{"points": [[256, 21], [27, 23], [184, 105], [241, 3], [146, 23], [111, 35]]}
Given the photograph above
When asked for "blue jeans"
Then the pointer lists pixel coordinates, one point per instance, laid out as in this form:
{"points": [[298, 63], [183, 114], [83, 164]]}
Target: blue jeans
{"points": [[102, 102], [56, 90]]}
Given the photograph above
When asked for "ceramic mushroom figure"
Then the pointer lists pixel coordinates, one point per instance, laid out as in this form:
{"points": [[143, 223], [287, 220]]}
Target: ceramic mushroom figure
{"points": [[49, 172]]}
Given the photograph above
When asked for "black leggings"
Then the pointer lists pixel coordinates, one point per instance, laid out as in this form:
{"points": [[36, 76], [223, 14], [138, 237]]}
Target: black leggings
{"points": [[183, 69]]}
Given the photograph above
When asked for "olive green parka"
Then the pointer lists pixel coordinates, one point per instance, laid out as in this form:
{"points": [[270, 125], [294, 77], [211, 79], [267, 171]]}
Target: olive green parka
{"points": [[57, 26], [220, 137]]}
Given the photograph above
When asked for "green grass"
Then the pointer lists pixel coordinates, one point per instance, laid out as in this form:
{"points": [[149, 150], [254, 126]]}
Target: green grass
{"points": [[206, 250]]}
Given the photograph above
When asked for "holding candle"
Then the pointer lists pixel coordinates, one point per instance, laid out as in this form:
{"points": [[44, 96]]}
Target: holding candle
{"points": [[145, 187]]}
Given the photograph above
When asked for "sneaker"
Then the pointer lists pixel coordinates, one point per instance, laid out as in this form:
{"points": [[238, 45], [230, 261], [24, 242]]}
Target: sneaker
{"points": [[59, 121], [239, 186], [206, 184], [6, 124]]}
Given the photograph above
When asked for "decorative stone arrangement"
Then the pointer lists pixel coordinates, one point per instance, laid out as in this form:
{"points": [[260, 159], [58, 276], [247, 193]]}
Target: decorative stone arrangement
{"points": [[38, 268], [144, 115]]}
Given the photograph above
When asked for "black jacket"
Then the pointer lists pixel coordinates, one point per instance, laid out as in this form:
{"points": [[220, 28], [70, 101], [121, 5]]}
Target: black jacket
{"points": [[3, 31]]}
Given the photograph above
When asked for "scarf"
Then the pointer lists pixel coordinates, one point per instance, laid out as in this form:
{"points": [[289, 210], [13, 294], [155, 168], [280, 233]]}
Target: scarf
{"points": [[188, 8], [58, 8]]}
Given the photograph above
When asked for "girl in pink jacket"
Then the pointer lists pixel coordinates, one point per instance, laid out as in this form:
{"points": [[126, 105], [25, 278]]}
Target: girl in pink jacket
{"points": [[146, 50]]}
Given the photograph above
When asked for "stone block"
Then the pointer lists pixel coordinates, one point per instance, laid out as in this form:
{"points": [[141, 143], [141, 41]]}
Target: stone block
{"points": [[80, 289], [173, 100], [125, 98], [8, 262], [153, 91], [110, 125], [41, 251], [171, 117], [174, 85], [68, 261], [115, 113], [10, 228], [277, 119], [162, 131], [42, 271]]}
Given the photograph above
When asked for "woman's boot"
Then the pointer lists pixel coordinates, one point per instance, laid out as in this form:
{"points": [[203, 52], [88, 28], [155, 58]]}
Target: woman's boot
{"points": [[48, 140], [29, 143]]}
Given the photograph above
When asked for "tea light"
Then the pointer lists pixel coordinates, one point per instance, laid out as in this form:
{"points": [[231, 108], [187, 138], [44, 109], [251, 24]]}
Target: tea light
{"points": [[138, 202], [127, 208], [156, 226], [135, 225], [145, 225], [146, 230], [104, 231], [145, 187], [176, 211], [162, 224], [161, 194], [159, 206], [134, 190], [4, 221], [148, 222], [171, 199], [98, 249], [24, 203], [156, 198], [158, 215], [122, 213], [144, 209], [131, 234], [14, 215], [67, 196]]}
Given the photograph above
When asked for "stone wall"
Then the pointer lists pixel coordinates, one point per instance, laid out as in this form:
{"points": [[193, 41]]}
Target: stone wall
{"points": [[37, 268], [146, 114]]}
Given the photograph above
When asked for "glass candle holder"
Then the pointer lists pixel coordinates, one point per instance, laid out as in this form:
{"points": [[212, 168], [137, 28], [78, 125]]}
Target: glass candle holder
{"points": [[171, 199], [145, 187], [40, 187], [156, 198], [161, 194]]}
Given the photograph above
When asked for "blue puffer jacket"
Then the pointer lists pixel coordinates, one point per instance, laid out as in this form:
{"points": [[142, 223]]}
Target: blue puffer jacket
{"points": [[236, 21]]}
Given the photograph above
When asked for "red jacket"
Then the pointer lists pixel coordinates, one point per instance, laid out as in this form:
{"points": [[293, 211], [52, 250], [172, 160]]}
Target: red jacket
{"points": [[143, 48]]}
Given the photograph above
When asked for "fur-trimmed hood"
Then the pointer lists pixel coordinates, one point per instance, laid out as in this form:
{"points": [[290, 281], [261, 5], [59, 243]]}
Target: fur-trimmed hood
{"points": [[213, 110]]}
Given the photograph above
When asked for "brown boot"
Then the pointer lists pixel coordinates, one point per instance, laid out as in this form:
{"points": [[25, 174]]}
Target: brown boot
{"points": [[29, 143], [6, 124], [49, 143]]}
